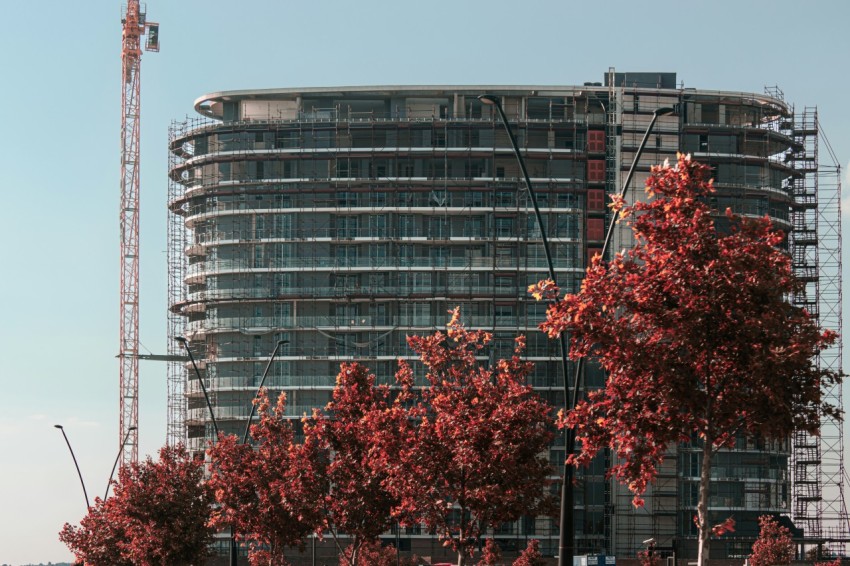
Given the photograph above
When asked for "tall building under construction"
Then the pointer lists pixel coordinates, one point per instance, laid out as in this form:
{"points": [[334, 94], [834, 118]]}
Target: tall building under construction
{"points": [[340, 220]]}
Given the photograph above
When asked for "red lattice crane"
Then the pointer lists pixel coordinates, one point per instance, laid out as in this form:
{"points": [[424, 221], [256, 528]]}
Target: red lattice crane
{"points": [[134, 26]]}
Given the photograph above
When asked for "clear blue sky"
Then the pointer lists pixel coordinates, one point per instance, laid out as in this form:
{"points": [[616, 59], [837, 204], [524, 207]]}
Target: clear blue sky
{"points": [[59, 163]]}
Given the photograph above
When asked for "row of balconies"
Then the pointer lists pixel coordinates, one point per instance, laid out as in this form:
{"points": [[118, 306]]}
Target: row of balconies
{"points": [[318, 128], [350, 321], [388, 291], [563, 232], [501, 195], [211, 267], [313, 382], [388, 140], [386, 351]]}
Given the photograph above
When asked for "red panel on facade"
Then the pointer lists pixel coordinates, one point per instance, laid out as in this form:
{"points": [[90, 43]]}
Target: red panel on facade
{"points": [[596, 170], [595, 229], [595, 200], [595, 141]]}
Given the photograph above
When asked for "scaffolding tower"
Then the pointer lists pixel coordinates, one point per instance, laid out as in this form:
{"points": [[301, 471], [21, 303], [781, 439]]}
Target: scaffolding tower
{"points": [[815, 243], [176, 258]]}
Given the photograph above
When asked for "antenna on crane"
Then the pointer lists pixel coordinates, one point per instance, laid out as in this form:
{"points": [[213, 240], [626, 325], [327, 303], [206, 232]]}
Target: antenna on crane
{"points": [[135, 25]]}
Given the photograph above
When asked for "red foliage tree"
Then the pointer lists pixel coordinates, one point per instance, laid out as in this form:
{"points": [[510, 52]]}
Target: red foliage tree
{"points": [[357, 503], [490, 554], [649, 557], [773, 545], [696, 335], [476, 457], [268, 492], [99, 538], [373, 553], [158, 515], [531, 555]]}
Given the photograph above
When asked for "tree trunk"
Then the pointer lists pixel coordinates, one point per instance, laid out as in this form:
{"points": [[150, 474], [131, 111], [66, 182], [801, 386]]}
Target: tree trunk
{"points": [[702, 506], [461, 555]]}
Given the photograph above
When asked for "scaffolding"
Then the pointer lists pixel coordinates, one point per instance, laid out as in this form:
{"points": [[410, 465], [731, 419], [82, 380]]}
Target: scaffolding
{"points": [[815, 244], [835, 526], [175, 323]]}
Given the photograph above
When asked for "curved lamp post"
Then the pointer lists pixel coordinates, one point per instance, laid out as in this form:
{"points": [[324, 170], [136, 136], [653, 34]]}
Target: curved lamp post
{"points": [[185, 344], [262, 382], [120, 451], [85, 493], [566, 520], [566, 541], [245, 439]]}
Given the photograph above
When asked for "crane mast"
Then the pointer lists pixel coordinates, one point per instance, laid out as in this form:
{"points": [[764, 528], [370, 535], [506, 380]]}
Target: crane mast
{"points": [[134, 27]]}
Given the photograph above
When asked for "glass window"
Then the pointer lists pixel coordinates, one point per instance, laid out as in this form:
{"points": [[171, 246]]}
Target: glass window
{"points": [[474, 198], [405, 254], [346, 227], [406, 225], [566, 226], [506, 256], [259, 256], [259, 226], [282, 226], [506, 315], [505, 198], [473, 226], [459, 281], [533, 227], [378, 225], [345, 198], [378, 254], [504, 226], [538, 108], [281, 283], [505, 282], [415, 313], [346, 255], [281, 313], [438, 227]]}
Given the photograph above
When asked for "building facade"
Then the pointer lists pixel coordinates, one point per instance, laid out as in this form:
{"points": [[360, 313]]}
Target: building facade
{"points": [[341, 220]]}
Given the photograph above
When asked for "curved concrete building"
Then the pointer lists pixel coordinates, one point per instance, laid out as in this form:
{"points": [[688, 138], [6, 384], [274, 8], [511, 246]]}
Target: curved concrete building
{"points": [[342, 219]]}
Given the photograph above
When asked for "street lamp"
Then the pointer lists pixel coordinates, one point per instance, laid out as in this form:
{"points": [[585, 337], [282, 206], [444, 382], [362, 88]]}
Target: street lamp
{"points": [[262, 382], [280, 343], [85, 493], [185, 345], [120, 451], [664, 111], [567, 537], [566, 542], [245, 439]]}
